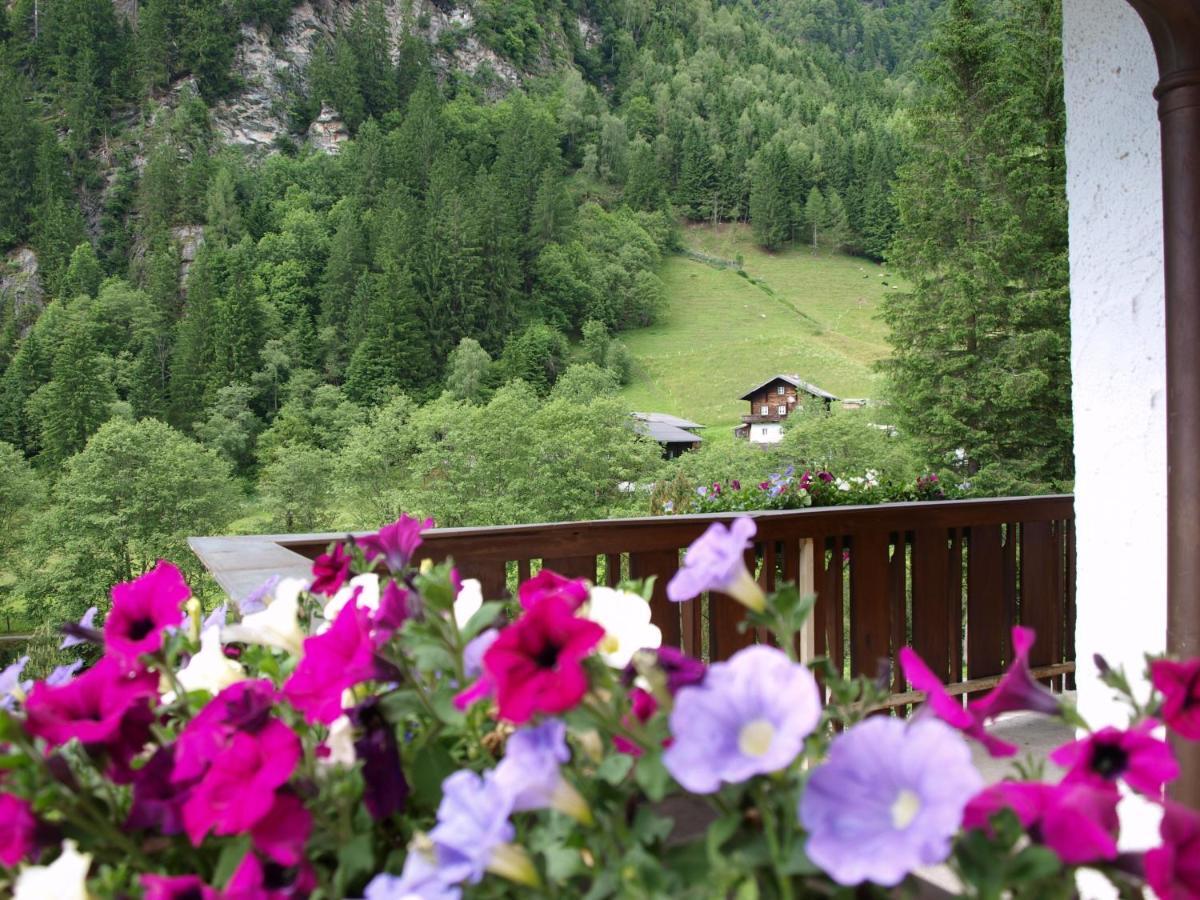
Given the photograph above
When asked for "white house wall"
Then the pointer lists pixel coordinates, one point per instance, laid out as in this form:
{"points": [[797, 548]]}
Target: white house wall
{"points": [[1118, 355]]}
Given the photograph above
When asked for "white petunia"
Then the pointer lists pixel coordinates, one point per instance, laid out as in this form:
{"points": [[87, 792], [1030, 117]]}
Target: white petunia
{"points": [[368, 597], [468, 601], [63, 879], [625, 618], [276, 626], [210, 669], [340, 743]]}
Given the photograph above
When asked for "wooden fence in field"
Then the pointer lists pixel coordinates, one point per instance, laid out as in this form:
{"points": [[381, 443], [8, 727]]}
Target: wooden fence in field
{"points": [[949, 578]]}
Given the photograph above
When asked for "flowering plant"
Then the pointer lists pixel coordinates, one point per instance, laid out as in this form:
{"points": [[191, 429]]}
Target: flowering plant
{"points": [[381, 731]]}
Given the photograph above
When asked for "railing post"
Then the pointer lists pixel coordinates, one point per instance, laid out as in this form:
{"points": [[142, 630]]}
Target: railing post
{"points": [[806, 583]]}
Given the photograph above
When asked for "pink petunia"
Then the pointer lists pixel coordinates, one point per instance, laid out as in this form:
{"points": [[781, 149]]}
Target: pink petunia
{"points": [[1143, 761], [330, 571], [177, 887], [547, 583], [333, 661], [238, 790], [1179, 683], [252, 880], [142, 610], [1173, 869], [536, 662], [1017, 690], [281, 834], [395, 543], [18, 829], [245, 706], [1076, 820], [642, 706], [90, 708]]}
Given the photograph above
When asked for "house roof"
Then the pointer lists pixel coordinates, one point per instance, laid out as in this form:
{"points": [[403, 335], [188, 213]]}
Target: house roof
{"points": [[665, 419], [795, 381], [664, 433]]}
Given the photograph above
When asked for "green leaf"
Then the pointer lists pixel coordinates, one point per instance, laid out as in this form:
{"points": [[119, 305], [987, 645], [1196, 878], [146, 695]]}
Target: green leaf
{"points": [[748, 890], [231, 857], [614, 768], [356, 860], [483, 618], [427, 771], [650, 827], [797, 862], [721, 831], [1033, 864], [652, 776]]}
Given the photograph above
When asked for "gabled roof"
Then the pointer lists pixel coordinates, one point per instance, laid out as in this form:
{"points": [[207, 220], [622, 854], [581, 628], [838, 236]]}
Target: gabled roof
{"points": [[664, 433], [665, 419], [795, 381]]}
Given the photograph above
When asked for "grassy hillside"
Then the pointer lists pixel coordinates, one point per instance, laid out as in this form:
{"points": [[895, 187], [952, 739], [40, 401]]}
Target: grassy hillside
{"points": [[724, 331]]}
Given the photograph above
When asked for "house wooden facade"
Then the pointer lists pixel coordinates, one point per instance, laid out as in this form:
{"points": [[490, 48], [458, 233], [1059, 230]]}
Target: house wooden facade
{"points": [[772, 402]]}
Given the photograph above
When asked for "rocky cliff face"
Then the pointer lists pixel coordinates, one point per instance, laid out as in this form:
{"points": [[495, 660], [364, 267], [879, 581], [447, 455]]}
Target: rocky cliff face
{"points": [[20, 285]]}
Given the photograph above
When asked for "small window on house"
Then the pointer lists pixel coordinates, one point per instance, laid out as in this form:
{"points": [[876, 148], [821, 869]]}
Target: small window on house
{"points": [[764, 431], [779, 390], [766, 411], [783, 410]]}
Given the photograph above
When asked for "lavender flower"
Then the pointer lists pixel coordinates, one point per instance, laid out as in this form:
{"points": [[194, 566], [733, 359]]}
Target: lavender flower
{"points": [[216, 618], [421, 880], [472, 826], [715, 562], [11, 685], [474, 651], [681, 670], [63, 674], [255, 600], [888, 800], [530, 774], [750, 716], [82, 632]]}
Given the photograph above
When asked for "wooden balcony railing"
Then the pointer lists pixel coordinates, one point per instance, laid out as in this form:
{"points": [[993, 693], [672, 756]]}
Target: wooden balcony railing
{"points": [[949, 578]]}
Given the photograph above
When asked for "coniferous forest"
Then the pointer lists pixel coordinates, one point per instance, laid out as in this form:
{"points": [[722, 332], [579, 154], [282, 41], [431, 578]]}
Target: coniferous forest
{"points": [[407, 288]]}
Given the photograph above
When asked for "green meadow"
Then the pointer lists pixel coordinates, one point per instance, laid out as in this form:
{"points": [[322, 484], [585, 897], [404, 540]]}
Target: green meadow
{"points": [[726, 330]]}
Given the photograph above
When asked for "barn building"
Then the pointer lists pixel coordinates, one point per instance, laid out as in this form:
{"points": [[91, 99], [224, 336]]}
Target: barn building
{"points": [[676, 436]]}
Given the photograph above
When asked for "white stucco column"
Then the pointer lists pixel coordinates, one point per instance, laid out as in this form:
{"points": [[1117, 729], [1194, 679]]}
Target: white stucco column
{"points": [[1118, 355]]}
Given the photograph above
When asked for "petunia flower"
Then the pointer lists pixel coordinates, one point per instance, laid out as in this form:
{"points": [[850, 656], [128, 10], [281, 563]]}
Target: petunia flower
{"points": [[625, 618], [473, 832], [339, 658], [395, 608], [61, 675], [642, 706], [681, 670], [256, 600], [1016, 690], [142, 610], [254, 879], [716, 562], [81, 632], [421, 880], [473, 654], [63, 879], [12, 688], [238, 789], [1135, 756], [548, 583], [158, 799], [242, 707], [216, 618], [210, 669], [92, 708], [18, 830], [1173, 869], [888, 800], [536, 663], [280, 835], [362, 589], [339, 744], [750, 716], [1076, 820], [386, 789], [330, 571], [468, 601], [276, 625], [530, 772], [1179, 683], [396, 543], [177, 887]]}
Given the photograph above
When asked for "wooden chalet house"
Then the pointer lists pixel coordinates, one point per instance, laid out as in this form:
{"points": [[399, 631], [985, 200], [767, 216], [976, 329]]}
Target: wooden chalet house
{"points": [[676, 436], [772, 402]]}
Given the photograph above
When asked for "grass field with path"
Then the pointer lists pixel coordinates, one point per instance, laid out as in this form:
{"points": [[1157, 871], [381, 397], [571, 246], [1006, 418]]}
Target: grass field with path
{"points": [[725, 331]]}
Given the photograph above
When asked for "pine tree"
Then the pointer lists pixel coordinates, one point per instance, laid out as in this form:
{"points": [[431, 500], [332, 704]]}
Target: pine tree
{"points": [[83, 273], [17, 165], [697, 177], [816, 216], [237, 324], [645, 186], [771, 189]]}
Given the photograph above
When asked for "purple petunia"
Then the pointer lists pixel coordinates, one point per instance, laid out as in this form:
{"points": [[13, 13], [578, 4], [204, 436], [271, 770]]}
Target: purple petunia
{"points": [[421, 880], [750, 716], [10, 683], [86, 624], [395, 543], [256, 600], [472, 825], [716, 562], [530, 774], [888, 800]]}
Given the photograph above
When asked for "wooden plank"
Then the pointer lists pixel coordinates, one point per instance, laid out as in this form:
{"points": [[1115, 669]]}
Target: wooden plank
{"points": [[870, 611], [931, 603], [612, 569], [572, 566], [898, 602], [1010, 582], [492, 575], [663, 613], [726, 615], [800, 567], [522, 571], [986, 621], [1040, 607], [827, 617], [1069, 647], [954, 591], [975, 685]]}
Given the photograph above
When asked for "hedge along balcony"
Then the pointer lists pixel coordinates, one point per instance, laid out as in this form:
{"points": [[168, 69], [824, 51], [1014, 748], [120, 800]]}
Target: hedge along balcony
{"points": [[950, 578]]}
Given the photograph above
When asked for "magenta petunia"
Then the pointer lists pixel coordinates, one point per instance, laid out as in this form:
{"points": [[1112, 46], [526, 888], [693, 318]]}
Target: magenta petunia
{"points": [[396, 543], [281, 834], [157, 799], [1076, 820], [91, 708], [333, 661], [483, 686], [330, 571], [1173, 868], [18, 830], [1017, 690], [1134, 756], [1179, 683], [547, 583], [142, 610], [177, 887], [536, 663], [245, 706], [715, 561], [642, 706], [238, 789], [255, 880], [385, 789], [395, 608]]}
